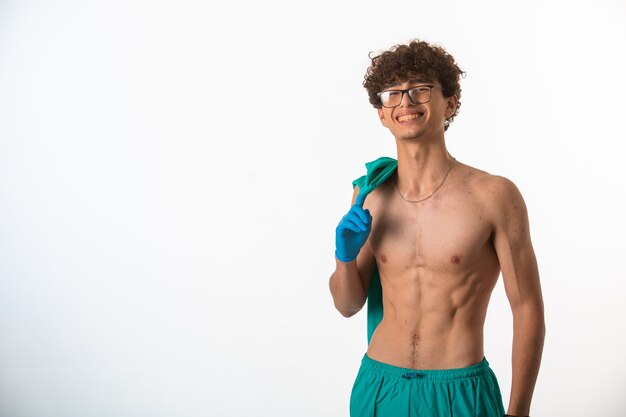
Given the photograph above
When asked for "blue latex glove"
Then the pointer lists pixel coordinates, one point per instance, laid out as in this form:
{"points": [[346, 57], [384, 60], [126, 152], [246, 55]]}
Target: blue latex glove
{"points": [[352, 231]]}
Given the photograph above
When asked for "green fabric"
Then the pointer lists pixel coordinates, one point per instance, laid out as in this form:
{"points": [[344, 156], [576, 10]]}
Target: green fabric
{"points": [[377, 172], [374, 304], [385, 390]]}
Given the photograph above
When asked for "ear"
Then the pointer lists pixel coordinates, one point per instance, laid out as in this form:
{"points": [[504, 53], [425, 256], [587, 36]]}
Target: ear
{"points": [[451, 106], [381, 116]]}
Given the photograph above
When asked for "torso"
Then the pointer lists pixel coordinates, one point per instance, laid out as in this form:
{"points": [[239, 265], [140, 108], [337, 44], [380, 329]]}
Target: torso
{"points": [[438, 268]]}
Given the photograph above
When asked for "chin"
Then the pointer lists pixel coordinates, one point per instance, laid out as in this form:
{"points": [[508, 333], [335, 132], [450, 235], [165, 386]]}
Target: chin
{"points": [[412, 136]]}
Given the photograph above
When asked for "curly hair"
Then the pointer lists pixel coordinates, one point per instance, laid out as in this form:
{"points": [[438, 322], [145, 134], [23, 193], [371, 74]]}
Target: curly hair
{"points": [[418, 59]]}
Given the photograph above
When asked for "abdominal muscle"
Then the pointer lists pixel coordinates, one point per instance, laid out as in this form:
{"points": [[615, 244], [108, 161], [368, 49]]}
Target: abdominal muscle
{"points": [[432, 321], [438, 268]]}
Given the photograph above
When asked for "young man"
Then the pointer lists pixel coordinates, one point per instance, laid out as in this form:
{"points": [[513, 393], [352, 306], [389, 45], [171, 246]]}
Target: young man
{"points": [[436, 233]]}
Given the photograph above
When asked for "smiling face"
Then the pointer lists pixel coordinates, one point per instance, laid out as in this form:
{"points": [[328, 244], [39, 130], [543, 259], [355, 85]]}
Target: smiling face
{"points": [[412, 121]]}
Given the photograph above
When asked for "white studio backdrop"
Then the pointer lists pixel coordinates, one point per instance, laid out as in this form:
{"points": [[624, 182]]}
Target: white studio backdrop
{"points": [[171, 175]]}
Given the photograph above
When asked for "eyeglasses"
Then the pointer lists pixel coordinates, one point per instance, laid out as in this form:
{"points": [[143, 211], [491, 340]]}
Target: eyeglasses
{"points": [[418, 95]]}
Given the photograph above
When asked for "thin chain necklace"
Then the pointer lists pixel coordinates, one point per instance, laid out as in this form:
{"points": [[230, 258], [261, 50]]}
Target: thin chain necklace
{"points": [[431, 194]]}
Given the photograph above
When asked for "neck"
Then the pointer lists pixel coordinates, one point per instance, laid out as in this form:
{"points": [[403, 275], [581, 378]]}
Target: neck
{"points": [[421, 167]]}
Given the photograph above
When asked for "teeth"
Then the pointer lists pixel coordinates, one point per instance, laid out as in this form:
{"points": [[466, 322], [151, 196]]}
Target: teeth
{"points": [[408, 117]]}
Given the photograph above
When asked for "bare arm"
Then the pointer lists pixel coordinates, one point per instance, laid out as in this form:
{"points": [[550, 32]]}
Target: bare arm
{"points": [[349, 283], [521, 282]]}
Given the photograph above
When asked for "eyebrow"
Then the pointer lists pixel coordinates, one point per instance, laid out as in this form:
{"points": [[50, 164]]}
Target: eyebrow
{"points": [[408, 82]]}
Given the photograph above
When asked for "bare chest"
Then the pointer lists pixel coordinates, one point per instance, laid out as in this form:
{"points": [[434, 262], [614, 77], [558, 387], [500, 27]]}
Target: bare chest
{"points": [[445, 234]]}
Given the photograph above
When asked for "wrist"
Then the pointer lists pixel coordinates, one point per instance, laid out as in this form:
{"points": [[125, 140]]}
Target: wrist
{"points": [[344, 258]]}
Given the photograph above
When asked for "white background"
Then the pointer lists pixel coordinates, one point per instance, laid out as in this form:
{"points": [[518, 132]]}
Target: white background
{"points": [[172, 172]]}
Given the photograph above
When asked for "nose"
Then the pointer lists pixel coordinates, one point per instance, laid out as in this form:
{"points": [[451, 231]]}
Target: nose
{"points": [[405, 100]]}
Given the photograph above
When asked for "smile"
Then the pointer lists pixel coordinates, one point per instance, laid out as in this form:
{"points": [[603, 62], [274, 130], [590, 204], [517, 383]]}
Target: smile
{"points": [[407, 117]]}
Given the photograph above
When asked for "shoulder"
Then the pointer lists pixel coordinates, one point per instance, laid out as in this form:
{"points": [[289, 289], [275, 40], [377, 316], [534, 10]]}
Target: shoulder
{"points": [[499, 189], [486, 185], [497, 194], [501, 199]]}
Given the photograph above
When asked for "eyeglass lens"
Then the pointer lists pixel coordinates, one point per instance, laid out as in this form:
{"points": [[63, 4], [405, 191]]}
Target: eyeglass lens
{"points": [[393, 98]]}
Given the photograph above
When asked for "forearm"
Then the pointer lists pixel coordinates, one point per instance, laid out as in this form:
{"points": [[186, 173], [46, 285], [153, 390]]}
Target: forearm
{"points": [[528, 338], [347, 289]]}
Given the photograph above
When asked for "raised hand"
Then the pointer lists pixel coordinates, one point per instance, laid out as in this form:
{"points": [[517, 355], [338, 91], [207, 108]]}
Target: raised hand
{"points": [[352, 231]]}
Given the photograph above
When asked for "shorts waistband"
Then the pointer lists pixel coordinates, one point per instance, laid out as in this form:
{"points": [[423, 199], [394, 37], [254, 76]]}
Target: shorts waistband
{"points": [[481, 368]]}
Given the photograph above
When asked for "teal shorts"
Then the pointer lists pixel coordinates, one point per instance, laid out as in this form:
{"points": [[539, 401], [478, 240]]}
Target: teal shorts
{"points": [[383, 390]]}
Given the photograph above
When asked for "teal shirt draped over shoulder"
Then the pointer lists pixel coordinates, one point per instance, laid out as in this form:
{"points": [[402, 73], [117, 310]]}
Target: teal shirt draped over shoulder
{"points": [[377, 172]]}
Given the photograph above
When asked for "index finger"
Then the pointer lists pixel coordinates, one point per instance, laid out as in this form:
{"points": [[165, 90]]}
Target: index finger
{"points": [[360, 199]]}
